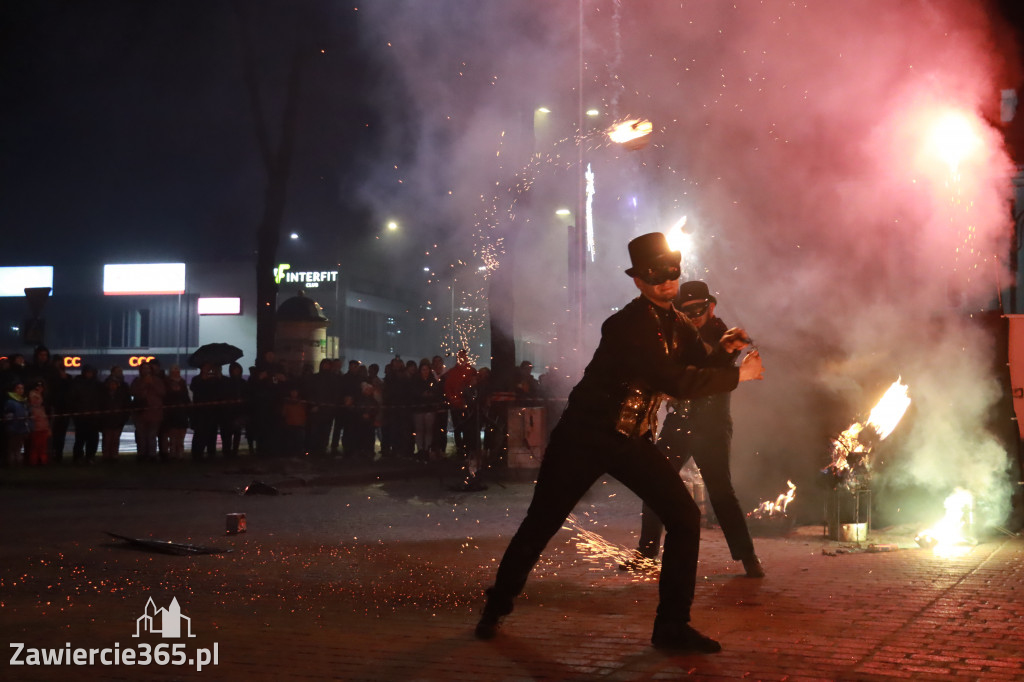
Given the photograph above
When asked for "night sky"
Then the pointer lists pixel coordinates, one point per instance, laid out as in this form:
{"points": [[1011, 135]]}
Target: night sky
{"points": [[127, 131]]}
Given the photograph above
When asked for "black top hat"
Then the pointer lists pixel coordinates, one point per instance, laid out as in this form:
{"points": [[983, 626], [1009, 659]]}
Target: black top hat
{"points": [[694, 291], [649, 250]]}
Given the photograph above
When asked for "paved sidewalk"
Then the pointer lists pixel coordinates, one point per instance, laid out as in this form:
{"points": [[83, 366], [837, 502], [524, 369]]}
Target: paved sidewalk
{"points": [[381, 580]]}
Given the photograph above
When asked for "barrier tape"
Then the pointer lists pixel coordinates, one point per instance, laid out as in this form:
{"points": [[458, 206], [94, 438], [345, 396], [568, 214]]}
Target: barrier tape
{"points": [[415, 407]]}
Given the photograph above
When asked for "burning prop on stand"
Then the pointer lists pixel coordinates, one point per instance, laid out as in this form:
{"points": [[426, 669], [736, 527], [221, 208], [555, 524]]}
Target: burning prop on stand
{"points": [[952, 535], [770, 517], [848, 475]]}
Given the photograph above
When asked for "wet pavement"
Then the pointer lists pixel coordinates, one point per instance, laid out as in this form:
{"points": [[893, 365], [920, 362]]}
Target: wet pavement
{"points": [[374, 571]]}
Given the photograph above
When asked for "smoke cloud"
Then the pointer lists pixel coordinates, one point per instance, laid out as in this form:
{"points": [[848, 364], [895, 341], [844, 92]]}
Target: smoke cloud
{"points": [[808, 145]]}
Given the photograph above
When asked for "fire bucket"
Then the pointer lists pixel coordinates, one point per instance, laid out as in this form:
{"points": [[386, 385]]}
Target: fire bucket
{"points": [[851, 532]]}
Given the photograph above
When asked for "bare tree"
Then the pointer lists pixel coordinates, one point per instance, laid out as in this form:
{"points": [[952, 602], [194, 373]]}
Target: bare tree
{"points": [[278, 162]]}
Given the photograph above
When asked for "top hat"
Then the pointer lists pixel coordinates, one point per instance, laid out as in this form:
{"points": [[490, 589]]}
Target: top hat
{"points": [[694, 291], [650, 250]]}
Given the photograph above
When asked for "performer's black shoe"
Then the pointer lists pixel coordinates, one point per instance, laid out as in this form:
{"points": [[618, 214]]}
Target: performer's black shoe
{"points": [[490, 617], [675, 636], [752, 565], [487, 626]]}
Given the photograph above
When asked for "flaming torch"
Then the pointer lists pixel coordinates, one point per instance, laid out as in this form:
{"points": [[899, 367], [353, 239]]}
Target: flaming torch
{"points": [[634, 134]]}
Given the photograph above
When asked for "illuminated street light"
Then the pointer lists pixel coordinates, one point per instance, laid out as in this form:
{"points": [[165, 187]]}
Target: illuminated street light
{"points": [[294, 235], [543, 110], [563, 212], [392, 226], [593, 112]]}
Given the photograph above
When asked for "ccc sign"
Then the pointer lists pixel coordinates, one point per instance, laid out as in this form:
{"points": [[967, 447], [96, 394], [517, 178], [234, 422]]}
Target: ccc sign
{"points": [[75, 361]]}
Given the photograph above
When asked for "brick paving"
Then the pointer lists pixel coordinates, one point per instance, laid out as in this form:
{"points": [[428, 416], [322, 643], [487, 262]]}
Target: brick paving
{"points": [[354, 577]]}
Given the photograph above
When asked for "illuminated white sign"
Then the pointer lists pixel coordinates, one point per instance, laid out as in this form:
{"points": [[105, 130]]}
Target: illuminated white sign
{"points": [[143, 279], [310, 279], [14, 280], [220, 306]]}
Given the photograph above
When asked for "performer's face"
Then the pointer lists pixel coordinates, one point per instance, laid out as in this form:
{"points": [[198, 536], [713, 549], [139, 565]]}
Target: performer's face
{"points": [[659, 294], [698, 312]]}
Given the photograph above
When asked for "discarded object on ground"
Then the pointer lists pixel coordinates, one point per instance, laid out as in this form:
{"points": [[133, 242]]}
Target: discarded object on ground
{"points": [[168, 547], [236, 523], [259, 488], [886, 547]]}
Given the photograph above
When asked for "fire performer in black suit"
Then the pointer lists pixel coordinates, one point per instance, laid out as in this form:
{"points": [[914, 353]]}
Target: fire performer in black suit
{"points": [[647, 350], [702, 428]]}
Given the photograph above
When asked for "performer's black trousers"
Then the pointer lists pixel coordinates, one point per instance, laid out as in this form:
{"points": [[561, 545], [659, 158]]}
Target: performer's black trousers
{"points": [[577, 455], [706, 435]]}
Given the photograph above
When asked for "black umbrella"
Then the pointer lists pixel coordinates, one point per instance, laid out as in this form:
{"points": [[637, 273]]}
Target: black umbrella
{"points": [[214, 354]]}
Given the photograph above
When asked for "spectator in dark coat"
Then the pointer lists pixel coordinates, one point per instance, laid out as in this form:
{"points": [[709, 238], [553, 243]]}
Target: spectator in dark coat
{"points": [[115, 403], [205, 394], [232, 392], [84, 401], [177, 405]]}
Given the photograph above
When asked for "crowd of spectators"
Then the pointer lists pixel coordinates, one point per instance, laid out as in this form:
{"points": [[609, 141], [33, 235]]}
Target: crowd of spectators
{"points": [[360, 412]]}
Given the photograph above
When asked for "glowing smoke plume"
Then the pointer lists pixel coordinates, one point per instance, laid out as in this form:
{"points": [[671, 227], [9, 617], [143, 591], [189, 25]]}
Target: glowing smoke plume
{"points": [[799, 139]]}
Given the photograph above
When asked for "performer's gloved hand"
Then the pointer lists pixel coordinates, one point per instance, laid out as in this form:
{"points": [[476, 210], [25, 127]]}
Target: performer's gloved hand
{"points": [[735, 339]]}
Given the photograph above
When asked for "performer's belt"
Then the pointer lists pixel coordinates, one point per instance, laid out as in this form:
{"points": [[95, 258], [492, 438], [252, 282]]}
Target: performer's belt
{"points": [[638, 413]]}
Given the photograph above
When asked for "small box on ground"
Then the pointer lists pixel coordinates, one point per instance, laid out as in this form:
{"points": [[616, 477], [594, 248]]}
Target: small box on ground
{"points": [[236, 523]]}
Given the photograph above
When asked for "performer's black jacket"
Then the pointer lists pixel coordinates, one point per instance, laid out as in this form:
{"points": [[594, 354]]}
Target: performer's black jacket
{"points": [[657, 349]]}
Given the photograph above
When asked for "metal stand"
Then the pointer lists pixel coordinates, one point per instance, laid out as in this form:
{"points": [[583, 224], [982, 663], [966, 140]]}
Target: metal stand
{"points": [[848, 515]]}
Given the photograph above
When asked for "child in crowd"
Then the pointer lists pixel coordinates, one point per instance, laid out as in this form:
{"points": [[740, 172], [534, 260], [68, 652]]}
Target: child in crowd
{"points": [[17, 423]]}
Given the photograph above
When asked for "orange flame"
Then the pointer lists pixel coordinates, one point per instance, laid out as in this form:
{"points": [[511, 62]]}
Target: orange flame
{"points": [[770, 508], [884, 417], [890, 409], [629, 131], [678, 239]]}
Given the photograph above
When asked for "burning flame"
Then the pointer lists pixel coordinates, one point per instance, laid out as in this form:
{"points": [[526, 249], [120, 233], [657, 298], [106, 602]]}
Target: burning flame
{"points": [[630, 132], [946, 538], [851, 448], [768, 508], [679, 240], [890, 409]]}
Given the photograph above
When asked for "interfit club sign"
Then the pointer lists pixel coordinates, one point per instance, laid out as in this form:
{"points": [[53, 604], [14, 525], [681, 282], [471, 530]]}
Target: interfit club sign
{"points": [[310, 279]]}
